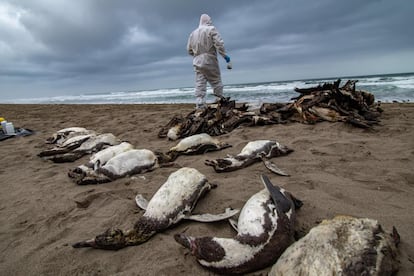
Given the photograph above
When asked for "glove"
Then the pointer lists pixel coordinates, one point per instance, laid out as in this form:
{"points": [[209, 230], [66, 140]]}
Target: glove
{"points": [[227, 58]]}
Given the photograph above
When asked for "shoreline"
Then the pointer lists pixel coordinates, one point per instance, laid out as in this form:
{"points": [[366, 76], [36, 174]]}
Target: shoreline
{"points": [[401, 84], [335, 169], [186, 103]]}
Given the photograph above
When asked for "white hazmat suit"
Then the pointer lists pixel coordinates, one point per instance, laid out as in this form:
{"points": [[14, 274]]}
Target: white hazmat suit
{"points": [[203, 44]]}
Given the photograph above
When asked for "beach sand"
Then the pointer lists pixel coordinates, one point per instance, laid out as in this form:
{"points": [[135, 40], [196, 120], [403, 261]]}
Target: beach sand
{"points": [[335, 169]]}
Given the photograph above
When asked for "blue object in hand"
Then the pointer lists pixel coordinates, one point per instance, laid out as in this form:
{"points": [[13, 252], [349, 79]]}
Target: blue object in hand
{"points": [[227, 58]]}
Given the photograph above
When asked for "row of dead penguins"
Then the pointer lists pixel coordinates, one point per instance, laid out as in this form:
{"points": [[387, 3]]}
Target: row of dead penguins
{"points": [[265, 226]]}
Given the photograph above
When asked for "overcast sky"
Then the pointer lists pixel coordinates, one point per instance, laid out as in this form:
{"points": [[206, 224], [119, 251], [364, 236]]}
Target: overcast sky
{"points": [[61, 47]]}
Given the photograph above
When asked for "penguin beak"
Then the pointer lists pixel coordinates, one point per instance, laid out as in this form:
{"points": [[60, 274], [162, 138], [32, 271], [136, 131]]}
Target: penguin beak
{"points": [[184, 240], [88, 243], [111, 239], [187, 242]]}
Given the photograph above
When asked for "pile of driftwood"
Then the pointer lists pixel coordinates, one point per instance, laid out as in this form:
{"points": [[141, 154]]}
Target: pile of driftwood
{"points": [[216, 119], [327, 102]]}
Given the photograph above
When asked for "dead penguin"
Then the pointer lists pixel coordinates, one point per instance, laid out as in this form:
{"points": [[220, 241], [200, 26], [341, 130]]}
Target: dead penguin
{"points": [[66, 146], [63, 134], [174, 201], [130, 162], [100, 158], [265, 229], [341, 246], [78, 146], [253, 152], [196, 144]]}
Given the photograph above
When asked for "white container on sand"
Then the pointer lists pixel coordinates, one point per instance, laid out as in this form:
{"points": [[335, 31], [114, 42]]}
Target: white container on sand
{"points": [[3, 126], [9, 130]]}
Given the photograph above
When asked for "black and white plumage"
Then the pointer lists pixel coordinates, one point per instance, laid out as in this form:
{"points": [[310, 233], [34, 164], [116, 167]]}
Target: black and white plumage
{"points": [[100, 158], [125, 162], [196, 144], [174, 201], [265, 229], [60, 136], [255, 151], [77, 146]]}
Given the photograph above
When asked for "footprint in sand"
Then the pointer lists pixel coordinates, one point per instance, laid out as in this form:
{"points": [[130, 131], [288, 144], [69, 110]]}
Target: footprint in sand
{"points": [[85, 199]]}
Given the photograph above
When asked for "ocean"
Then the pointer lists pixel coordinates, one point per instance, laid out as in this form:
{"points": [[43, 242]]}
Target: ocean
{"points": [[386, 88]]}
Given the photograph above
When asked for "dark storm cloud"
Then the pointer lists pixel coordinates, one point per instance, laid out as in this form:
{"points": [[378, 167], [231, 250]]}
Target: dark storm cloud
{"points": [[91, 46]]}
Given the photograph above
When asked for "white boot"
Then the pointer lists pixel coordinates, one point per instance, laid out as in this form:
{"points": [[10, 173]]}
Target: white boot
{"points": [[200, 103]]}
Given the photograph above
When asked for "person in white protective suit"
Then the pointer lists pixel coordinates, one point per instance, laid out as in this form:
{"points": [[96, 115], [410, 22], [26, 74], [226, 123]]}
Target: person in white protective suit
{"points": [[203, 44]]}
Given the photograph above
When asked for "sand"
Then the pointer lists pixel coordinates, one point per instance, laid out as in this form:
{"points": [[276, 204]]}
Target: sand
{"points": [[335, 169]]}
